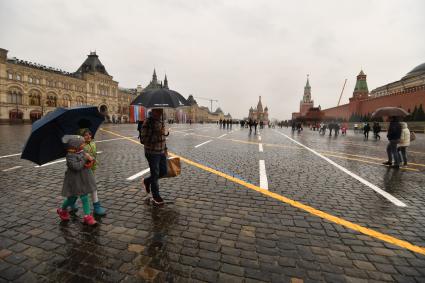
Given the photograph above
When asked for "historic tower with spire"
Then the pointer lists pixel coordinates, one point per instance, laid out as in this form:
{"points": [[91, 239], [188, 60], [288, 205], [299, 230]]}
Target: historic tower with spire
{"points": [[360, 90], [259, 114], [306, 103]]}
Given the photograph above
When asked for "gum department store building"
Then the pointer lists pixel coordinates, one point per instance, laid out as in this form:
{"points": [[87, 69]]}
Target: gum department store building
{"points": [[29, 91]]}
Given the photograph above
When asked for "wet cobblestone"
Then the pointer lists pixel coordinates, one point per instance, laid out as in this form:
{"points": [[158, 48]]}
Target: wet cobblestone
{"points": [[215, 230]]}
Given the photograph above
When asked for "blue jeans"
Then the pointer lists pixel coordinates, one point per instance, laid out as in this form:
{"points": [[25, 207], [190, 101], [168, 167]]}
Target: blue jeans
{"points": [[158, 169], [392, 151]]}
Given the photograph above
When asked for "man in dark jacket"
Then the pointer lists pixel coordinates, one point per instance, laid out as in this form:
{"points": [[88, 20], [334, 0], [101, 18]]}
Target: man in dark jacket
{"points": [[393, 135], [153, 138]]}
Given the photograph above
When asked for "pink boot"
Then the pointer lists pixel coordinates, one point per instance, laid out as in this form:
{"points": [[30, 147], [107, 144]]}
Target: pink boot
{"points": [[89, 220], [63, 214]]}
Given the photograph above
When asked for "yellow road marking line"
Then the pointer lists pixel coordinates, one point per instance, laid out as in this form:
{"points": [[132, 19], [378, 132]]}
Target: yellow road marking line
{"points": [[311, 210]]}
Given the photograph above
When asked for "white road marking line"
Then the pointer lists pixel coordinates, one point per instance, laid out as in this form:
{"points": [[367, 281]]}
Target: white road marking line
{"points": [[383, 193], [10, 155], [222, 136], [260, 147], [50, 163], [264, 184], [202, 143], [259, 138], [99, 152], [137, 175], [11, 168]]}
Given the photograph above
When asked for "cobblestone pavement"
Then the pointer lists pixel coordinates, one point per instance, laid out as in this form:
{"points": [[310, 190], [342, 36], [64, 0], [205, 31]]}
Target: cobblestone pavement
{"points": [[219, 225]]}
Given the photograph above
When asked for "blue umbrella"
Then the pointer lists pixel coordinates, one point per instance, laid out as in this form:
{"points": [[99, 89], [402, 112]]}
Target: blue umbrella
{"points": [[45, 142]]}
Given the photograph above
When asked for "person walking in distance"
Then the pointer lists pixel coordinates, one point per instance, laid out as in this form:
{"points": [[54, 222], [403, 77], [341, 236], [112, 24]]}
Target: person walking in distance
{"points": [[404, 142], [366, 130], [393, 135], [153, 138], [376, 130], [255, 127], [250, 124]]}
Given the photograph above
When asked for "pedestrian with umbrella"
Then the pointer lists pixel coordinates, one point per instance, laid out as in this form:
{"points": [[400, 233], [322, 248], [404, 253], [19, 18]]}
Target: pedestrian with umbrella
{"points": [[153, 135], [79, 179], [394, 132], [47, 143]]}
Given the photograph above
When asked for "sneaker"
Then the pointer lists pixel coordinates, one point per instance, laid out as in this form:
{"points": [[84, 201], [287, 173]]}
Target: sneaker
{"points": [[89, 220], [387, 163], [63, 214], [157, 201], [146, 186], [98, 209], [395, 166]]}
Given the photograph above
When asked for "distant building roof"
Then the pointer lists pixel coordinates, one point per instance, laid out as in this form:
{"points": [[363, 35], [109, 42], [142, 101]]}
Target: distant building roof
{"points": [[418, 70], [92, 64]]}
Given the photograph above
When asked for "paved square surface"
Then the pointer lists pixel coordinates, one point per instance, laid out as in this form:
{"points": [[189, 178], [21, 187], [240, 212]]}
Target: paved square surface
{"points": [[270, 207]]}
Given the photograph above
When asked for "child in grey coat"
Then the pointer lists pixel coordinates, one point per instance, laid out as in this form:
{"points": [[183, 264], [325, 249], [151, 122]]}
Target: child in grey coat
{"points": [[79, 180]]}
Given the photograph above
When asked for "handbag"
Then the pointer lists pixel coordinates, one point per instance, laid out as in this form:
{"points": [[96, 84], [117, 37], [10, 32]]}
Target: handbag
{"points": [[173, 167], [412, 136]]}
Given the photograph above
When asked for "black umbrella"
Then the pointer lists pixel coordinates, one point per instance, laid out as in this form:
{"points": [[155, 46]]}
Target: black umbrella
{"points": [[390, 112], [160, 98], [45, 142]]}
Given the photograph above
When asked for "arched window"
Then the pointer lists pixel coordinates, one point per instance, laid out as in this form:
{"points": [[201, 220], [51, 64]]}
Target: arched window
{"points": [[52, 100], [66, 101], [35, 98], [30, 80], [80, 100], [14, 96], [10, 76], [18, 77]]}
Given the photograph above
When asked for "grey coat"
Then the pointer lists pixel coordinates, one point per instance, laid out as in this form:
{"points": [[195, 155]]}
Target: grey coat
{"points": [[78, 179]]}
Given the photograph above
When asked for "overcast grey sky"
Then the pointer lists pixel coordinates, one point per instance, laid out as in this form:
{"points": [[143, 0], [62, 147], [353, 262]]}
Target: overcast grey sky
{"points": [[232, 51]]}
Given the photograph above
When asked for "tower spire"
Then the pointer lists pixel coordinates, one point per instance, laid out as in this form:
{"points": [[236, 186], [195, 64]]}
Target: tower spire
{"points": [[307, 91], [154, 78], [165, 81]]}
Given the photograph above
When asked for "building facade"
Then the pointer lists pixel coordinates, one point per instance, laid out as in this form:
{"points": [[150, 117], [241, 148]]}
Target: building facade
{"points": [[259, 114], [28, 90], [202, 114]]}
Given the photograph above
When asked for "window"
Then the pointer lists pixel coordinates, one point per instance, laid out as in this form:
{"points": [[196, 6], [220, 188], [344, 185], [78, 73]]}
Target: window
{"points": [[37, 81], [80, 100], [10, 76], [30, 80], [14, 96], [66, 101], [18, 77], [51, 100], [35, 98]]}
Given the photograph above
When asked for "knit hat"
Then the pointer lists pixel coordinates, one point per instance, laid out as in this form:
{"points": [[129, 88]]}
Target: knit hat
{"points": [[73, 141]]}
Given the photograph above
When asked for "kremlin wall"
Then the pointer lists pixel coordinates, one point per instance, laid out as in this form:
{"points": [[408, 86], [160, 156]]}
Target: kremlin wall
{"points": [[407, 93]]}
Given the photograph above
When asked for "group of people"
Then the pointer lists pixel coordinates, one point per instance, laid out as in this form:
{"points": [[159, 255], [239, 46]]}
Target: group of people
{"points": [[335, 127], [376, 130], [399, 137], [79, 181], [225, 123]]}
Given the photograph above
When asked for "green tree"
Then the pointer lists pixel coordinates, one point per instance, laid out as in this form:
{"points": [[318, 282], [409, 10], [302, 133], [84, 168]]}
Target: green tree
{"points": [[413, 114], [420, 114]]}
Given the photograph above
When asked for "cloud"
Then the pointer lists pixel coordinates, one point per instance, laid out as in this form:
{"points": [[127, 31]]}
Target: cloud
{"points": [[232, 51]]}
